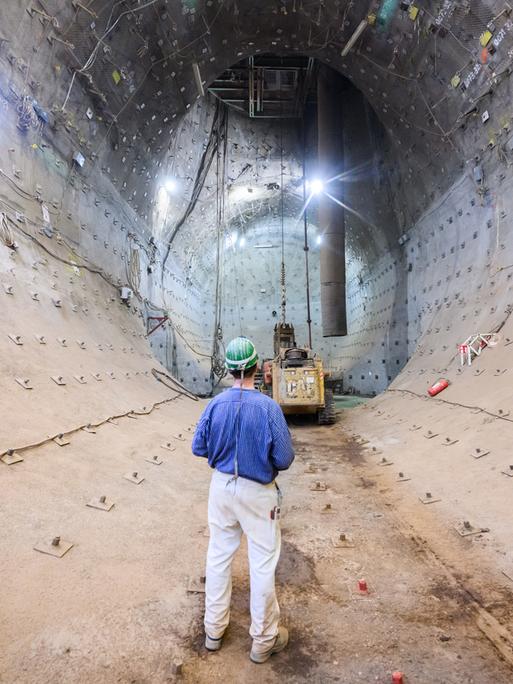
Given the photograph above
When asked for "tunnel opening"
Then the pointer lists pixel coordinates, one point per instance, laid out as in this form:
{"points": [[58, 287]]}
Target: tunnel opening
{"points": [[270, 137]]}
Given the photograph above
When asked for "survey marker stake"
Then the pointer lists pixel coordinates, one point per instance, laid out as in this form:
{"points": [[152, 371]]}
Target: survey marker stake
{"points": [[156, 460], [100, 502], [134, 477], [11, 457], [57, 547]]}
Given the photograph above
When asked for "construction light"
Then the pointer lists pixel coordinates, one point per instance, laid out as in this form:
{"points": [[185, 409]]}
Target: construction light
{"points": [[170, 185], [316, 186], [318, 240], [358, 32], [242, 242]]}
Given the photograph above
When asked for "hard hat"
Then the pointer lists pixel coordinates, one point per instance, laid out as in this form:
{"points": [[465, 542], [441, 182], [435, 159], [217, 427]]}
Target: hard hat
{"points": [[240, 354]]}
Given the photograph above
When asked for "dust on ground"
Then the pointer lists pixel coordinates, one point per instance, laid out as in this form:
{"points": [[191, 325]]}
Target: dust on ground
{"points": [[116, 607]]}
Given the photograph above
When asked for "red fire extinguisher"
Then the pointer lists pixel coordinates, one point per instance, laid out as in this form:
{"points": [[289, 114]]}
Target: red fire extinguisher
{"points": [[438, 387]]}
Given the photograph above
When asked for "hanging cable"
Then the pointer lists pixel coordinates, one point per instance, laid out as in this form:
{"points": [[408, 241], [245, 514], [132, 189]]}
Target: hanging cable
{"points": [[306, 246], [282, 274], [217, 368]]}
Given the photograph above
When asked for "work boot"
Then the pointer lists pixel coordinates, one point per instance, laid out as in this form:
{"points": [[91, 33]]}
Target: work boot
{"points": [[212, 644], [281, 640]]}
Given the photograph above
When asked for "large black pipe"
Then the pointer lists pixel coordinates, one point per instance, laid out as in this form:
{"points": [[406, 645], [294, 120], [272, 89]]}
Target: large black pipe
{"points": [[330, 103]]}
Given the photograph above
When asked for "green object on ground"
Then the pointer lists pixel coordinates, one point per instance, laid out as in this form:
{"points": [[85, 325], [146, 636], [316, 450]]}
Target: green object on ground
{"points": [[349, 401]]}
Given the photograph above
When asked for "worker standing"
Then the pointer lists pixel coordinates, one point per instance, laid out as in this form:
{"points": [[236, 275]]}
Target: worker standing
{"points": [[245, 437]]}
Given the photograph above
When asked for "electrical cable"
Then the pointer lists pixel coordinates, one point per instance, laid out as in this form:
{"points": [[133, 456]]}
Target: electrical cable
{"points": [[92, 57], [6, 232], [282, 274], [183, 390], [201, 175], [50, 438]]}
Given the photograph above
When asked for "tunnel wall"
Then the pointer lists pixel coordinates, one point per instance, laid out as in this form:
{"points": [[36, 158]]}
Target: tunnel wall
{"points": [[136, 121]]}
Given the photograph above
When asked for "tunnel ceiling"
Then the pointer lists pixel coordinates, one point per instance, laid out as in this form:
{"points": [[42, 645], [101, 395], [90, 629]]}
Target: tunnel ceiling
{"points": [[125, 73]]}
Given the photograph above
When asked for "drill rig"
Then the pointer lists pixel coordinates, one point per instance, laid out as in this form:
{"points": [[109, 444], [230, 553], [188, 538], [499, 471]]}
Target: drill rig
{"points": [[295, 378]]}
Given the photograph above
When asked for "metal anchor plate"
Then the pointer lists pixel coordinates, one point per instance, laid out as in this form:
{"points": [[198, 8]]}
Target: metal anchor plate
{"points": [[428, 498], [100, 502], [385, 462], [134, 477], [25, 383], [466, 529], [318, 486], [479, 453], [156, 460], [401, 477], [90, 429], [196, 585], [11, 457], [342, 541], [56, 547]]}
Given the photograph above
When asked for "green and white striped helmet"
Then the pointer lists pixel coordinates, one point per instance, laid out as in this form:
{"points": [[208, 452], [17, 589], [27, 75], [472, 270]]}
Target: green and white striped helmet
{"points": [[240, 354]]}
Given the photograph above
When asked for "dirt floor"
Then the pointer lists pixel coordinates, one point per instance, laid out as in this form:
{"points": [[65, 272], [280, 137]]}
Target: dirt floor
{"points": [[116, 607]]}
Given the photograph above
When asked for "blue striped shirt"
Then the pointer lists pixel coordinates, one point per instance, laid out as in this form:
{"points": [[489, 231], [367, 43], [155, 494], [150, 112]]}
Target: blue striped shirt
{"points": [[259, 426]]}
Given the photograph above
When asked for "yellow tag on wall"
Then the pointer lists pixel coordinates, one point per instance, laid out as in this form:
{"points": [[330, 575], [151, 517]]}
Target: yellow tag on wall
{"points": [[116, 76], [413, 12], [455, 80], [485, 38]]}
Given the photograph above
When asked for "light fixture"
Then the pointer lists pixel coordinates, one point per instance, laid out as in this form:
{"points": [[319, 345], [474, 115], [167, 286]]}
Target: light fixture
{"points": [[170, 185], [197, 77], [242, 241], [318, 240], [358, 32], [316, 186]]}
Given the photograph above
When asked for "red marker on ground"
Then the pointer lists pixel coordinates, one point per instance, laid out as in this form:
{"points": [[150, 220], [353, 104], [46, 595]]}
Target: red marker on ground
{"points": [[362, 586], [397, 678]]}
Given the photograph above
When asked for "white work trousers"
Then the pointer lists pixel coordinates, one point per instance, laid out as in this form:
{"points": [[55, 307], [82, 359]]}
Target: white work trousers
{"points": [[236, 506]]}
